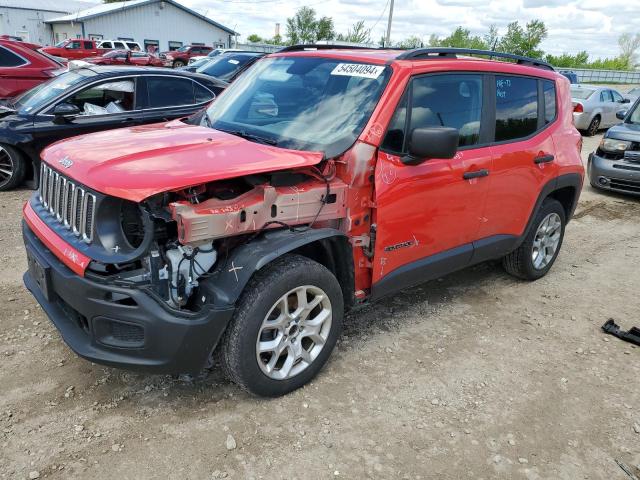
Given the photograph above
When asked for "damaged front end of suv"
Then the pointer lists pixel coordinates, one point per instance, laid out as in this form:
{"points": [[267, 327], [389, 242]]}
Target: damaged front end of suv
{"points": [[141, 242]]}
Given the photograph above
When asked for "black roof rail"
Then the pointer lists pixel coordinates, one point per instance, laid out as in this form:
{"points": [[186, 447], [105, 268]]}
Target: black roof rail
{"points": [[437, 52], [322, 46]]}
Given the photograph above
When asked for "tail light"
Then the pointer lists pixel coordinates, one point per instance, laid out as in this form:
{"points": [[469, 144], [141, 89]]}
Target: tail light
{"points": [[578, 108]]}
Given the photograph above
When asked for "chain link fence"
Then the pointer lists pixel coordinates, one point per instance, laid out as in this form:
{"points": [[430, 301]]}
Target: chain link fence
{"points": [[586, 75]]}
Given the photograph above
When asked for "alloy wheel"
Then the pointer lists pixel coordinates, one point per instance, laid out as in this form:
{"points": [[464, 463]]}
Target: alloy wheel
{"points": [[595, 125], [546, 241], [6, 166], [294, 332]]}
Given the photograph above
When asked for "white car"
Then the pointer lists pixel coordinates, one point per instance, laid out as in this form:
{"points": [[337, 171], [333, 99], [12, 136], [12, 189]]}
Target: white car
{"points": [[120, 45], [214, 53], [595, 107]]}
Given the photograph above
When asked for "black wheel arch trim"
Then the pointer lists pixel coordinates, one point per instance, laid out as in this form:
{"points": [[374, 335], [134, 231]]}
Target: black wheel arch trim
{"points": [[573, 180], [233, 272]]}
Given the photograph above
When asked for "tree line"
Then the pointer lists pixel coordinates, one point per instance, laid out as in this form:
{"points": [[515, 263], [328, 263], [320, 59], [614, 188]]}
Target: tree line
{"points": [[306, 27]]}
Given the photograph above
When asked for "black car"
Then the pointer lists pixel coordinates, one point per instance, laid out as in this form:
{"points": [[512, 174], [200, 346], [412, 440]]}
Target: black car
{"points": [[226, 67], [615, 165], [89, 99]]}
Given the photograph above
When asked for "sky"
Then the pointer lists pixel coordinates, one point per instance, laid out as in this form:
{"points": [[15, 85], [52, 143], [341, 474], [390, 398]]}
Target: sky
{"points": [[574, 25]]}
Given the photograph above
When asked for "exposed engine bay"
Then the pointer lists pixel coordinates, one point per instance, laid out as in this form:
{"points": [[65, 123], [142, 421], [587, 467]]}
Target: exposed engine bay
{"points": [[193, 228]]}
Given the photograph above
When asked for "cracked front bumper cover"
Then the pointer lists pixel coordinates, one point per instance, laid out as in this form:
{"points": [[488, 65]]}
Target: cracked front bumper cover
{"points": [[139, 333]]}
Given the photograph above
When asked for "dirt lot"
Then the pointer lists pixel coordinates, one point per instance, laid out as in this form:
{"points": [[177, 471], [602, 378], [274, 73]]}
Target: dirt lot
{"points": [[477, 375]]}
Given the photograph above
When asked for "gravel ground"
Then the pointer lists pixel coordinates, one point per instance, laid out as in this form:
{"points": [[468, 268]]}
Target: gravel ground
{"points": [[476, 375]]}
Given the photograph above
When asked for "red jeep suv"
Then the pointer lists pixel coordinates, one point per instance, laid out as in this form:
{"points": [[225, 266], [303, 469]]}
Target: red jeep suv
{"points": [[321, 179]]}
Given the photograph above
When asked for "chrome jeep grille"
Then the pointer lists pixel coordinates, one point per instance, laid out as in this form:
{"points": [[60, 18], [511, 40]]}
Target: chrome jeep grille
{"points": [[68, 203]]}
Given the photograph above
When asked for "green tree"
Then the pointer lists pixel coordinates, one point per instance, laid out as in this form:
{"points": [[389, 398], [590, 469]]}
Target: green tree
{"points": [[303, 27], [358, 33], [629, 45], [411, 42], [566, 60], [460, 38], [524, 41], [253, 38], [276, 40]]}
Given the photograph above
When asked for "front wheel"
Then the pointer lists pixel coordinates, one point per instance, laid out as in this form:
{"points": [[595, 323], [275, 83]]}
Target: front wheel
{"points": [[178, 64], [540, 248], [287, 323]]}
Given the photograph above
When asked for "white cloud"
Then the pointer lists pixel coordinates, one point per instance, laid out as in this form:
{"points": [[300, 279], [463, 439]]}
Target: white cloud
{"points": [[573, 25]]}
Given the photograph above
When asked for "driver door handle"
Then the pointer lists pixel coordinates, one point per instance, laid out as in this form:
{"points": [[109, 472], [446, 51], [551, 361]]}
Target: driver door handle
{"points": [[543, 159], [475, 174]]}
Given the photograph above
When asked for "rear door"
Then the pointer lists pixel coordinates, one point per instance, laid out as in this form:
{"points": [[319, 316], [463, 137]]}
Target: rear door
{"points": [[608, 109], [170, 97], [523, 152], [428, 215]]}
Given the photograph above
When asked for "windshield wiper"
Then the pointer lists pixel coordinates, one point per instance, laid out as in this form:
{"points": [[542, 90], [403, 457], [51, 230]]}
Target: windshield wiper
{"points": [[252, 137]]}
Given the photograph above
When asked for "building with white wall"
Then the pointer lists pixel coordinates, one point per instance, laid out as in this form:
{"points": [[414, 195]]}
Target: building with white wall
{"points": [[27, 18], [165, 24]]}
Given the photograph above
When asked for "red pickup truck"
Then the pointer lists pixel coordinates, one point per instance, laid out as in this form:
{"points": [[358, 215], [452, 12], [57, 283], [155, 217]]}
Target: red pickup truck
{"points": [[75, 48], [180, 57]]}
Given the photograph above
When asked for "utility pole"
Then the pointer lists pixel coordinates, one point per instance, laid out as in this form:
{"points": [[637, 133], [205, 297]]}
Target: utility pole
{"points": [[388, 39]]}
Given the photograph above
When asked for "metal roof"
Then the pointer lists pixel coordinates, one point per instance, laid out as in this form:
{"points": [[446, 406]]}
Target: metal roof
{"points": [[107, 8], [66, 6]]}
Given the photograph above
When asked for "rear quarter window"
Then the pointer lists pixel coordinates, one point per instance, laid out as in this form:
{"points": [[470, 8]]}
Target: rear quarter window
{"points": [[549, 92], [516, 107]]}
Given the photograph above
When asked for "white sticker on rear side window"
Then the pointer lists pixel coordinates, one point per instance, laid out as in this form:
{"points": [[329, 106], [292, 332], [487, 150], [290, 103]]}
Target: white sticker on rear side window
{"points": [[358, 70], [235, 62]]}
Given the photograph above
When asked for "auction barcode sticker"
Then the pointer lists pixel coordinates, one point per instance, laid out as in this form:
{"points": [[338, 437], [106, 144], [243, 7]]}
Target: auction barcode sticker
{"points": [[358, 70]]}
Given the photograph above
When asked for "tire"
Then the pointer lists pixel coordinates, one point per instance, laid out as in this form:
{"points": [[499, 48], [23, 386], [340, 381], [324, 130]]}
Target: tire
{"points": [[178, 64], [254, 327], [593, 127], [13, 167], [524, 262]]}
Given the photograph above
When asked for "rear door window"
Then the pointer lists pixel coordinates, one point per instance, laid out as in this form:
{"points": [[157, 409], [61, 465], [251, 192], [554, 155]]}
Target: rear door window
{"points": [[10, 59], [452, 100], [169, 92], [88, 45], [605, 96], [516, 107]]}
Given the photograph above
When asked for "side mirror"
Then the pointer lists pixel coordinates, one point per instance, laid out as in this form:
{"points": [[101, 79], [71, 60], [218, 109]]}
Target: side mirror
{"points": [[65, 112], [625, 100], [436, 142], [621, 114]]}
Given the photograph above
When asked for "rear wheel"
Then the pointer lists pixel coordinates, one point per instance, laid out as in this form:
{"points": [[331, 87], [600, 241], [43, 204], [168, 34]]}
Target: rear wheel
{"points": [[178, 64], [12, 167], [540, 248], [284, 330], [594, 126]]}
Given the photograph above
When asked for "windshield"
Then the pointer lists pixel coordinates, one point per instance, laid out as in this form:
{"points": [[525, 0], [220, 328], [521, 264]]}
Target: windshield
{"points": [[43, 93], [60, 44], [302, 103], [635, 115], [225, 66], [581, 93], [183, 49]]}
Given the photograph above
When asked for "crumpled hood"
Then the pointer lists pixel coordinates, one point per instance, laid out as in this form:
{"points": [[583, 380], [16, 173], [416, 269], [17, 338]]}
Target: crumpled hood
{"points": [[135, 163]]}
